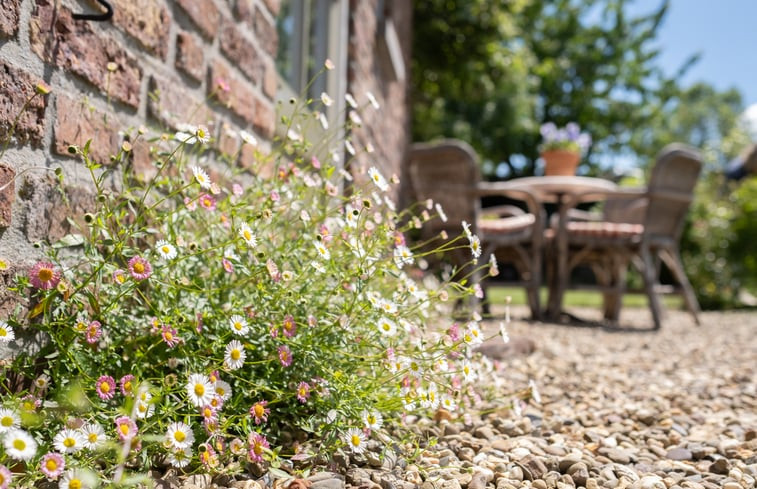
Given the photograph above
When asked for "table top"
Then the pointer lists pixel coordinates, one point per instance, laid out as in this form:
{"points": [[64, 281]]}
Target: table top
{"points": [[550, 188]]}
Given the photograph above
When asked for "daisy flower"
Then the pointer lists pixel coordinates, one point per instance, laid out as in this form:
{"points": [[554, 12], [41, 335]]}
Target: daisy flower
{"points": [[258, 444], [289, 326], [94, 436], [199, 390], [19, 445], [466, 229], [285, 355], [68, 441], [372, 419], [248, 138], [429, 397], [469, 373], [179, 435], [42, 382], [29, 403], [378, 179], [355, 439], [303, 392], [387, 326], [126, 428], [326, 100], [127, 385], [6, 333], [144, 408], [350, 100], [140, 268], [119, 276], [320, 247], [170, 335], [239, 325], [106, 387], [222, 390], [372, 100], [9, 420], [52, 465], [247, 235], [5, 477], [475, 245], [260, 412], [448, 402], [179, 457], [403, 256], [208, 202], [202, 178], [202, 133], [44, 276], [93, 332], [493, 268], [472, 335], [77, 479], [318, 267], [166, 250], [235, 355], [209, 413]]}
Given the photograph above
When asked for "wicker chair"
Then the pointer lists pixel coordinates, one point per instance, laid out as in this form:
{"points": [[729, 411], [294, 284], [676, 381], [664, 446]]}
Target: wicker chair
{"points": [[640, 227], [447, 173]]}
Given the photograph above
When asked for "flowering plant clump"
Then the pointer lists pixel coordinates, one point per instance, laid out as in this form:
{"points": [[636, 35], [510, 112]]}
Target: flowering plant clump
{"points": [[215, 318], [569, 138]]}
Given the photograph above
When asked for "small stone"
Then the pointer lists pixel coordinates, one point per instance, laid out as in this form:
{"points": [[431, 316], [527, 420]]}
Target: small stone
{"points": [[719, 466], [651, 482], [679, 453], [484, 432], [199, 480], [333, 483], [533, 467]]}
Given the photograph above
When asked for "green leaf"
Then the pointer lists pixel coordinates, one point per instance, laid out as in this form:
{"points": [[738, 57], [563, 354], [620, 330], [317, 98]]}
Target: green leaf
{"points": [[69, 241]]}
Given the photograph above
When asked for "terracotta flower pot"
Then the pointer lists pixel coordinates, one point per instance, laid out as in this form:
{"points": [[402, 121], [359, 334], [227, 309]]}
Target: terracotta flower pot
{"points": [[560, 162]]}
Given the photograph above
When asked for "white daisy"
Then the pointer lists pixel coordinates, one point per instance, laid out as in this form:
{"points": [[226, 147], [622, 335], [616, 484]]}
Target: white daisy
{"points": [[179, 435], [185, 137], [202, 178], [387, 326], [144, 408], [248, 138], [94, 436], [199, 390], [388, 306], [408, 399], [372, 419], [180, 457], [349, 147], [6, 333], [469, 373], [235, 355], [238, 325], [202, 133], [77, 479], [320, 247], [326, 100], [466, 229], [372, 100], [377, 178], [166, 250], [448, 402], [42, 382], [68, 441], [8, 420], [403, 256], [493, 268], [503, 333], [475, 245], [247, 235], [355, 439], [350, 100], [322, 120], [318, 267], [473, 335], [414, 367], [429, 397], [440, 211], [19, 445], [223, 390]]}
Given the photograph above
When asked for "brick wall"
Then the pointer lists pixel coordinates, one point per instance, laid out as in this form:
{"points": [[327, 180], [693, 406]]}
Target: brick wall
{"points": [[155, 64]]}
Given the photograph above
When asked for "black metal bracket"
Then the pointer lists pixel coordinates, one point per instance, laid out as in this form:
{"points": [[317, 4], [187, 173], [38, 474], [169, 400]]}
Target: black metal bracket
{"points": [[97, 17]]}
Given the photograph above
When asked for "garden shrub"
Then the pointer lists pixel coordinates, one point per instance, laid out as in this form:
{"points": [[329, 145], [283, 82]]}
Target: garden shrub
{"points": [[207, 323]]}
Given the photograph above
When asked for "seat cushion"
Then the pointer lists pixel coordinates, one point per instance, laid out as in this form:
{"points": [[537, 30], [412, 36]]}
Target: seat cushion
{"points": [[506, 225], [604, 229]]}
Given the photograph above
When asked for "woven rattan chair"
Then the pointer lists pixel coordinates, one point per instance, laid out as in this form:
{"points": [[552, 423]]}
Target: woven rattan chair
{"points": [[447, 172], [640, 227]]}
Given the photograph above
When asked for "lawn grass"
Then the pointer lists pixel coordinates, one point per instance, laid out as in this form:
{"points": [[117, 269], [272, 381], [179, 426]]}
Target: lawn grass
{"points": [[577, 298]]}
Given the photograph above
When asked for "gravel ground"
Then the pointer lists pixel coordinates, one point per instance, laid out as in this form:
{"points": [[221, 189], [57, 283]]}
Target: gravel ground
{"points": [[620, 408]]}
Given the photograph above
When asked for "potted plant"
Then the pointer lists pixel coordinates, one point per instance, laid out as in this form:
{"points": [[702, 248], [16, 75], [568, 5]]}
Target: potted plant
{"points": [[561, 148]]}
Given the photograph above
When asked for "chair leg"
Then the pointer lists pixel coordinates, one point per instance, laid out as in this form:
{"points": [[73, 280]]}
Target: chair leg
{"points": [[672, 259], [619, 268], [533, 285], [650, 279]]}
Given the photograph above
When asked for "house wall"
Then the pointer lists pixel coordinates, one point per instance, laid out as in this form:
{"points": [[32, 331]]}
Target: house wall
{"points": [[157, 64]]}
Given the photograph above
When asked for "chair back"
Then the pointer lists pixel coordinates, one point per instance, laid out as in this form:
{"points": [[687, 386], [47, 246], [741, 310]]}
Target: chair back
{"points": [[670, 191], [446, 172]]}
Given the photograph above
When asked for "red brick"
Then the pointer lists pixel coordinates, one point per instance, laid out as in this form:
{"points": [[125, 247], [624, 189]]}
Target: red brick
{"points": [[239, 96], [245, 11], [147, 21], [273, 6], [77, 122], [266, 33], [75, 46], [9, 16], [16, 87], [265, 118], [190, 57], [204, 14], [241, 52], [271, 79], [172, 104], [7, 194], [142, 163], [228, 140]]}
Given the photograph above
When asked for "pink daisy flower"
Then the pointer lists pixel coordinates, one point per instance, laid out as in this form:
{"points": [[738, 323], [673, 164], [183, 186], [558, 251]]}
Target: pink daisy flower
{"points": [[303, 392], [52, 465], [127, 385], [260, 412], [93, 332], [208, 202], [190, 204], [290, 328], [237, 189], [285, 355], [106, 387], [126, 428], [315, 162], [208, 455], [5, 477], [209, 413], [119, 277], [454, 332], [258, 444], [170, 335], [44, 276], [140, 268], [227, 265]]}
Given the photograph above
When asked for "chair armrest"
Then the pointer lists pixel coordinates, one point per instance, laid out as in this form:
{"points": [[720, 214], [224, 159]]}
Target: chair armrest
{"points": [[501, 211], [487, 189]]}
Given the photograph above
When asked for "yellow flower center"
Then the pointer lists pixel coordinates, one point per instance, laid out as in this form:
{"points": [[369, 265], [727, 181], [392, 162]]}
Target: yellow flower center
{"points": [[105, 387], [165, 249], [169, 336], [124, 429], [127, 386], [120, 278], [3, 332], [19, 444], [45, 274], [371, 419], [69, 442], [247, 235], [51, 464], [387, 327], [92, 437], [6, 421], [139, 267], [238, 326], [257, 448], [207, 412], [355, 440], [142, 407], [235, 354], [199, 389], [259, 410], [220, 391], [74, 484], [180, 436]]}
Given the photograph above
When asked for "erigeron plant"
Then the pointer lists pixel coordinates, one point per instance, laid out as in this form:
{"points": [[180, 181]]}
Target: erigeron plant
{"points": [[212, 324]]}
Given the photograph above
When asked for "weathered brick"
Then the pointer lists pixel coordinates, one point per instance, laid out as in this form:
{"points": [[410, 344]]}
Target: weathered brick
{"points": [[172, 104], [147, 21], [228, 140], [244, 10], [142, 163], [9, 16], [239, 96], [76, 123], [273, 6], [7, 194], [271, 79], [204, 14], [190, 57], [241, 52], [266, 33], [76, 47], [265, 118], [16, 87]]}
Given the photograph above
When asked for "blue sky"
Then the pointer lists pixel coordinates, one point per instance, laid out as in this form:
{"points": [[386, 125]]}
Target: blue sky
{"points": [[723, 31]]}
